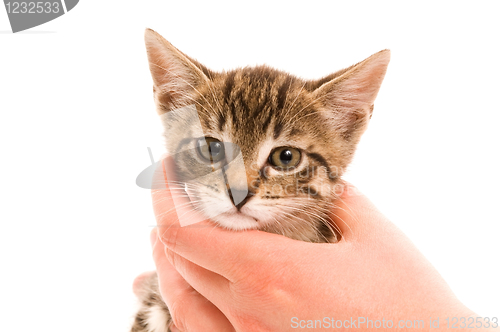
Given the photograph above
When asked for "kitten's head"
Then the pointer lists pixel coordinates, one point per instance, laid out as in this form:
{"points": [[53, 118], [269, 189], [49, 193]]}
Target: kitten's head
{"points": [[257, 148]]}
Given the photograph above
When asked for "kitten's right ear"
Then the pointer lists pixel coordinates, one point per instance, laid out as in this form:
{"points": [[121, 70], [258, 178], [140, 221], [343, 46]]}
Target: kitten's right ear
{"points": [[350, 93], [175, 75]]}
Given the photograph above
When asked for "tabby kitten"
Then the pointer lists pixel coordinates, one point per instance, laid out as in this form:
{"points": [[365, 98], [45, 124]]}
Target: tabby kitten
{"points": [[257, 148]]}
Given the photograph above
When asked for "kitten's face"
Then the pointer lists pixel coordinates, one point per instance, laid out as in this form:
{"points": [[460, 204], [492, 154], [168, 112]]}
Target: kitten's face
{"points": [[258, 148], [290, 158]]}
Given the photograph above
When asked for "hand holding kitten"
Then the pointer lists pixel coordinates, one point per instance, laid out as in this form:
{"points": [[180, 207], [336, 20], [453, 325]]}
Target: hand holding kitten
{"points": [[218, 280], [288, 141]]}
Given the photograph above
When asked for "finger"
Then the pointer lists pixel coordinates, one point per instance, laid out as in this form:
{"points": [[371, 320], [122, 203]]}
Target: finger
{"points": [[355, 214], [202, 242], [190, 311], [210, 284]]}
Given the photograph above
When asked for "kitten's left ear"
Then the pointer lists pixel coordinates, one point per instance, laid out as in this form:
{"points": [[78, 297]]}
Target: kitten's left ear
{"points": [[175, 75], [349, 96]]}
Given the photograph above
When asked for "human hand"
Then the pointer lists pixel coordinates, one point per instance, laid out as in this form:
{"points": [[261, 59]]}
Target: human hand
{"points": [[218, 280]]}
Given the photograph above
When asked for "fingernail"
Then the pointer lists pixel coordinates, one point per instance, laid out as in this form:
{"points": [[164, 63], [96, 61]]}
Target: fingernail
{"points": [[153, 237]]}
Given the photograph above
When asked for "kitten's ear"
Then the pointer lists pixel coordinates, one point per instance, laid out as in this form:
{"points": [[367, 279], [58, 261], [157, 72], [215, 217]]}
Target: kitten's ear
{"points": [[175, 75], [349, 96]]}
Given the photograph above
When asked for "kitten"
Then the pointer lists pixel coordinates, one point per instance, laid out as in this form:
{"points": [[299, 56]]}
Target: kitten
{"points": [[257, 148]]}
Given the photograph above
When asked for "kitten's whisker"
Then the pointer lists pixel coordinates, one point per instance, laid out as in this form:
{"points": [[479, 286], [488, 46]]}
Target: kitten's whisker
{"points": [[351, 211], [311, 218], [311, 211], [176, 207], [277, 222], [342, 220]]}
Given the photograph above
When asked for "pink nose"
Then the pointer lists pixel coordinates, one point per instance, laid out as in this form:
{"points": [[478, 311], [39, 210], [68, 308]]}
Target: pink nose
{"points": [[138, 284]]}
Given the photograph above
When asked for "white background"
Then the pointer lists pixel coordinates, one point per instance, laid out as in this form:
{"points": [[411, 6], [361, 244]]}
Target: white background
{"points": [[77, 116]]}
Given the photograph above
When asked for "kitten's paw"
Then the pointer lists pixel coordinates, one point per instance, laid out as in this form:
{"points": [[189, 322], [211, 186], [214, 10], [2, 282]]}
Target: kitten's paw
{"points": [[153, 314]]}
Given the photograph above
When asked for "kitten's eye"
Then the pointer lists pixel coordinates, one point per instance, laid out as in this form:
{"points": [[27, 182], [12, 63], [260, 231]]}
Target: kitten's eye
{"points": [[285, 157], [210, 149]]}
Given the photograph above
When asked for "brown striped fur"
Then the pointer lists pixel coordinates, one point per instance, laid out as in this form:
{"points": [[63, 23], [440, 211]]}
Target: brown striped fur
{"points": [[260, 109]]}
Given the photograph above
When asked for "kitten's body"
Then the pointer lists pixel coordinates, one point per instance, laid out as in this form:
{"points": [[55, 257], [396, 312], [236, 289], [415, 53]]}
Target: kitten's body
{"points": [[273, 120]]}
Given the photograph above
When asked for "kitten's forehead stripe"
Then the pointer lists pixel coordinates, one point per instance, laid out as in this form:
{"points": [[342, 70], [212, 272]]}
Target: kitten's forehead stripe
{"points": [[228, 85], [267, 121], [278, 127], [283, 91], [256, 99], [262, 102]]}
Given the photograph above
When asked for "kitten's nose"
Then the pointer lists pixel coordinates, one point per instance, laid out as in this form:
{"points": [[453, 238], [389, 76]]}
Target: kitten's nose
{"points": [[240, 197]]}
